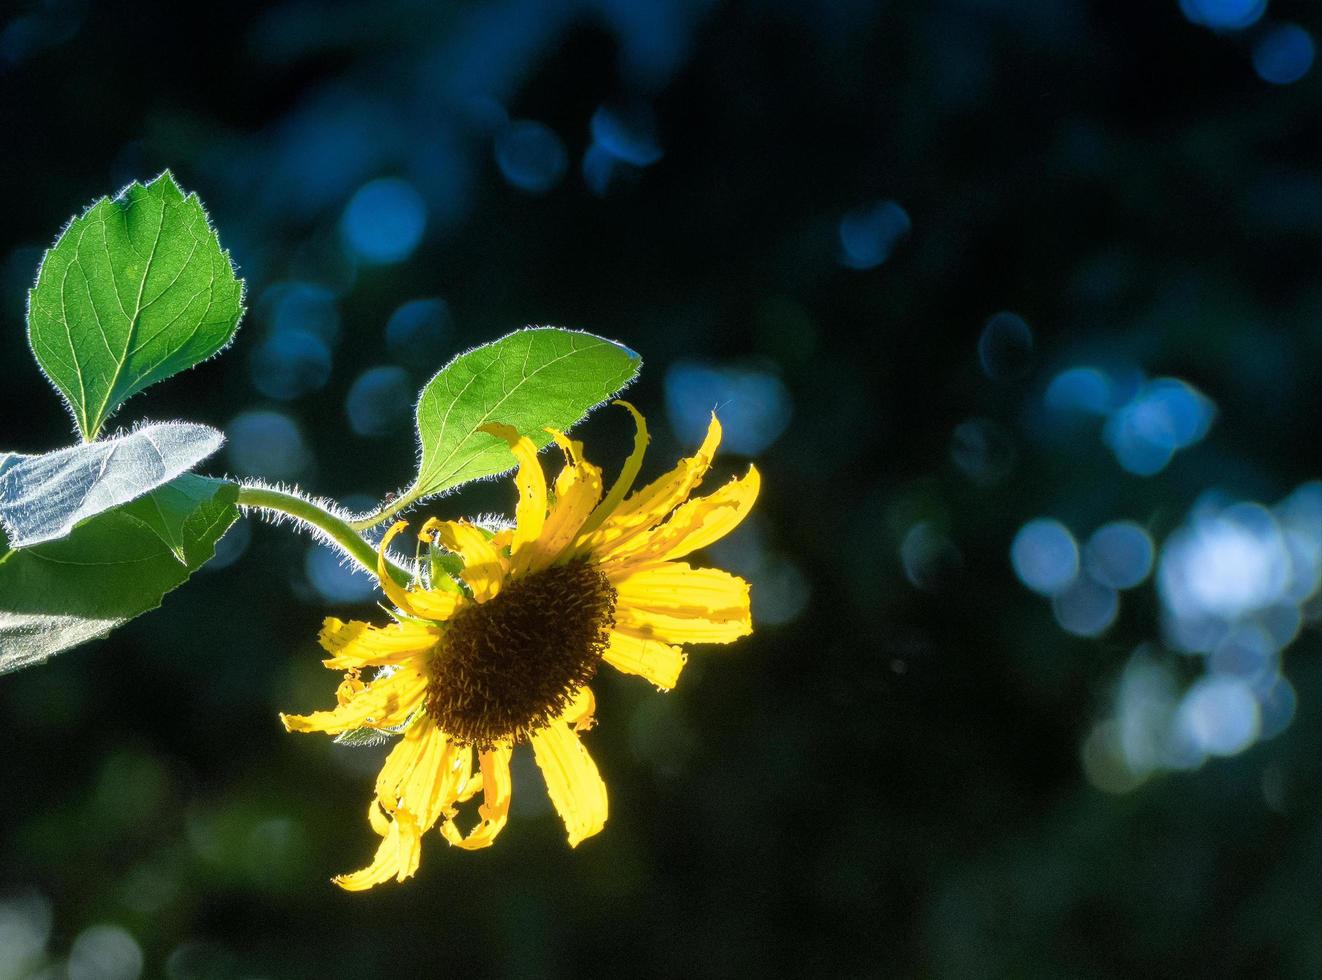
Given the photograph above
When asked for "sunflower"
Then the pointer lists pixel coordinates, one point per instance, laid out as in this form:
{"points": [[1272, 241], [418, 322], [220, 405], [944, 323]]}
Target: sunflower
{"points": [[506, 657]]}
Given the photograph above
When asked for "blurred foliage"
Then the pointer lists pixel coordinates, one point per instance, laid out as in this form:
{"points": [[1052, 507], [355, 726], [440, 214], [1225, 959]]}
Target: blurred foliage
{"points": [[815, 205]]}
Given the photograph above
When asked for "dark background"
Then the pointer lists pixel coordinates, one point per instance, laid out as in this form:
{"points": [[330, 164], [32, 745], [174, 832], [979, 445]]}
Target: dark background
{"points": [[910, 769]]}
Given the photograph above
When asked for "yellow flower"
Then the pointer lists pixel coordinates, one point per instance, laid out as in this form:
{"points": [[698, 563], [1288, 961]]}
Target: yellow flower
{"points": [[579, 579]]}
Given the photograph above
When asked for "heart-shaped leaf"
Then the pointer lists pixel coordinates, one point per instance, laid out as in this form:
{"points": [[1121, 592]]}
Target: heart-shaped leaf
{"points": [[113, 567], [532, 379], [134, 290], [42, 497]]}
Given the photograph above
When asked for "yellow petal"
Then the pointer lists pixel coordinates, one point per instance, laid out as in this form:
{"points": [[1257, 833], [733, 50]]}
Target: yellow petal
{"points": [[357, 644], [435, 780], [377, 818], [349, 688], [572, 781], [659, 662], [484, 565], [402, 761], [679, 589], [577, 489], [393, 590], [695, 524], [422, 603], [418, 785], [581, 710], [628, 473], [530, 511], [435, 604], [384, 703], [671, 627], [494, 811], [397, 857], [652, 504], [470, 788], [573, 450], [661, 496]]}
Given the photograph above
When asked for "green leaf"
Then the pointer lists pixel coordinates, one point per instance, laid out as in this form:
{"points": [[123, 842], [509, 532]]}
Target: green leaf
{"points": [[167, 512], [112, 568], [43, 497], [532, 379], [133, 291]]}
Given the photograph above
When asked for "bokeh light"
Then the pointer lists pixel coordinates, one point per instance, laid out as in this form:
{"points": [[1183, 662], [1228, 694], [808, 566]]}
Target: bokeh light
{"points": [[1119, 554], [1277, 703], [380, 401], [1248, 651], [1102, 757], [266, 444], [929, 557], [1085, 607], [753, 405], [1005, 347], [303, 306], [983, 450], [231, 547], [1239, 564], [316, 154], [1224, 15], [383, 222], [1219, 715], [1045, 556], [334, 579], [871, 233], [290, 363], [624, 142], [1300, 517], [25, 927], [780, 591], [1164, 416], [1081, 389], [1231, 589], [1228, 563], [531, 156], [418, 332], [598, 168], [105, 952], [1284, 54], [628, 134], [1146, 698]]}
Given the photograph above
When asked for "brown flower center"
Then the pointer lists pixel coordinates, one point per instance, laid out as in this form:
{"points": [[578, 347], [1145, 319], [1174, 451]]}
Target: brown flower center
{"points": [[509, 666]]}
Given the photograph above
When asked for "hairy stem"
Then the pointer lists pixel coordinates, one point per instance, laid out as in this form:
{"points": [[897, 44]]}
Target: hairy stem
{"points": [[335, 528], [385, 513]]}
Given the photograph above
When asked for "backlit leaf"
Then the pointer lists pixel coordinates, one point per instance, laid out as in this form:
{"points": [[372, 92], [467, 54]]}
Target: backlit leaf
{"points": [[112, 568], [134, 290], [532, 379], [42, 497]]}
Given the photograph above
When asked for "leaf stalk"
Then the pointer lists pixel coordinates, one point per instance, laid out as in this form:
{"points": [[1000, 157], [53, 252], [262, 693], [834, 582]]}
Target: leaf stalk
{"points": [[335, 528]]}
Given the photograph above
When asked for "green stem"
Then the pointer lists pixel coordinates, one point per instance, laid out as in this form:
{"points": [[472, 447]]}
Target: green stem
{"points": [[386, 512], [335, 528]]}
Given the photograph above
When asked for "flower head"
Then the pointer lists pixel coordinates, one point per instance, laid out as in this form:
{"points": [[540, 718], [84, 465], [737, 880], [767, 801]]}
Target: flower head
{"points": [[506, 659]]}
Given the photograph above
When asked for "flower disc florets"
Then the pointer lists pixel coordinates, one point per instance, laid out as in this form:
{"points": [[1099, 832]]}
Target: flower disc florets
{"points": [[509, 666]]}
